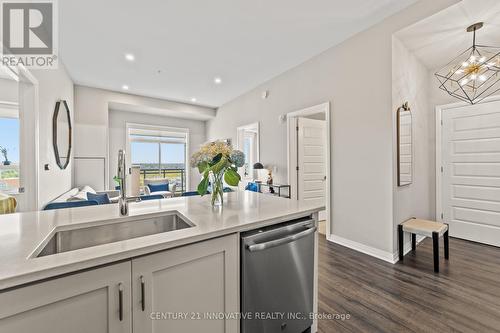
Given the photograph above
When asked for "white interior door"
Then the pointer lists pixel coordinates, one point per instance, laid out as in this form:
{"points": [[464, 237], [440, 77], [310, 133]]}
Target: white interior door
{"points": [[471, 172], [311, 161]]}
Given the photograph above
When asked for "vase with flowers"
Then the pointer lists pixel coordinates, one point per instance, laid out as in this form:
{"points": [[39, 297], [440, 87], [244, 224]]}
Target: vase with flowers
{"points": [[217, 162]]}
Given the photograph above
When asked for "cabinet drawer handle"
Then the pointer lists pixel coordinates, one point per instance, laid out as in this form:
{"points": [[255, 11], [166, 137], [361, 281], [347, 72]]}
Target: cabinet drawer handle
{"points": [[143, 297], [120, 301]]}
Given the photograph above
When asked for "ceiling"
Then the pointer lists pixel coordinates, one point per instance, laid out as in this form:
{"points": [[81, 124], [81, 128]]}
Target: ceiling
{"points": [[181, 46], [438, 39]]}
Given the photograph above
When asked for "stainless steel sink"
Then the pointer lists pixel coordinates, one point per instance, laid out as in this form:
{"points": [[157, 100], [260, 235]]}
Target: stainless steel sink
{"points": [[74, 239]]}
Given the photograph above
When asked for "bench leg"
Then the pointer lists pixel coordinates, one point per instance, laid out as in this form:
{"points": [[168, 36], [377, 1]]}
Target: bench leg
{"points": [[446, 245], [435, 250], [400, 241], [413, 242]]}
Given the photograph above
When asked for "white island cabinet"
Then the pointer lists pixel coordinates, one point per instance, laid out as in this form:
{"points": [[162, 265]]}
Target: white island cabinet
{"points": [[182, 278], [184, 289], [79, 303], [187, 289]]}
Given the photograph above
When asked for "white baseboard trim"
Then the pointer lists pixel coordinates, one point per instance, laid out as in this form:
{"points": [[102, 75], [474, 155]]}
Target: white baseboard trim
{"points": [[407, 248], [371, 251], [374, 252]]}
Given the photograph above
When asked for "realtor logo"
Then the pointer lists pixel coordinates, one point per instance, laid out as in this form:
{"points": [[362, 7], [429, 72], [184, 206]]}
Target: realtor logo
{"points": [[28, 33]]}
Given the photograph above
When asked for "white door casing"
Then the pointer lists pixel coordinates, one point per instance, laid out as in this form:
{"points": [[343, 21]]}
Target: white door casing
{"points": [[311, 159], [468, 184], [292, 151], [27, 195]]}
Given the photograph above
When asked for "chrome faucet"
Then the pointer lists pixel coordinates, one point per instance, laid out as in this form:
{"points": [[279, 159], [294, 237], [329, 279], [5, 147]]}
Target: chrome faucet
{"points": [[122, 176]]}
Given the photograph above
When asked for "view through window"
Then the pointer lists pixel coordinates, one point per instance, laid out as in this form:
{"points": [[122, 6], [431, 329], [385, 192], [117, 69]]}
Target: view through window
{"points": [[160, 155], [248, 142], [9, 153], [248, 145]]}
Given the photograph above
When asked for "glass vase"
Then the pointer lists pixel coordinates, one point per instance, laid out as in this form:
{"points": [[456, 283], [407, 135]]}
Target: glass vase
{"points": [[217, 189]]}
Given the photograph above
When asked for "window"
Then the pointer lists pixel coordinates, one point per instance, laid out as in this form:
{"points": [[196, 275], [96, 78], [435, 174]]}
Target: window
{"points": [[248, 149], [248, 143], [9, 150], [160, 153]]}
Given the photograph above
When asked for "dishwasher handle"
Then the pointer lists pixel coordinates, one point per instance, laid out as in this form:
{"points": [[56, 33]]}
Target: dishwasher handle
{"points": [[281, 241]]}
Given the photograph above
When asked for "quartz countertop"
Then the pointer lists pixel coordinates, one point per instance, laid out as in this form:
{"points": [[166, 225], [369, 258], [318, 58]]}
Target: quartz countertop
{"points": [[22, 234]]}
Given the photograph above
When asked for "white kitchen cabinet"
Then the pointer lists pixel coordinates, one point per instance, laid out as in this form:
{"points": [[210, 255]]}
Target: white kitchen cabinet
{"points": [[79, 303], [181, 290], [185, 289]]}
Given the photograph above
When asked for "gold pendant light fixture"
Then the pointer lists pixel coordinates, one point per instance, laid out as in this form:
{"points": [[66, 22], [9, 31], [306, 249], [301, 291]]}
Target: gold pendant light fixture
{"points": [[474, 74]]}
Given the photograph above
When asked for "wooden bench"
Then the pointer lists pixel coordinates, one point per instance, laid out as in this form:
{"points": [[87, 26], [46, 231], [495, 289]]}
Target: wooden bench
{"points": [[425, 228]]}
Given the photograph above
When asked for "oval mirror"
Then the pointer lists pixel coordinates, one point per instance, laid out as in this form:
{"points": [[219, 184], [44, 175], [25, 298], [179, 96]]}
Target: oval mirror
{"points": [[61, 134]]}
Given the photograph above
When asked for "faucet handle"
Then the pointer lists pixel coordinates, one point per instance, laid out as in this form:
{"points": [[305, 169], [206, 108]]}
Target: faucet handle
{"points": [[121, 164]]}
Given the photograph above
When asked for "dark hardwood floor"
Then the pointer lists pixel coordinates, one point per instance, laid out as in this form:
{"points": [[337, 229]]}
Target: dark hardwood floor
{"points": [[409, 296]]}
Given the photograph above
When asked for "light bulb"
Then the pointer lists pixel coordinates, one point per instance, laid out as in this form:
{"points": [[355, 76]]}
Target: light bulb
{"points": [[464, 82], [482, 77], [460, 71], [473, 76], [482, 59], [472, 59], [129, 57], [465, 64]]}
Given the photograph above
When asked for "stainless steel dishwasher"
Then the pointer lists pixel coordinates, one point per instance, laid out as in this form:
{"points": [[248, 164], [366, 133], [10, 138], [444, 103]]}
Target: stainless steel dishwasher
{"points": [[277, 273]]}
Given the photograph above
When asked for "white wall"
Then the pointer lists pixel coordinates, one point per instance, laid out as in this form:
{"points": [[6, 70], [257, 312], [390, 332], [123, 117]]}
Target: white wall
{"points": [[9, 90], [54, 85], [92, 123], [355, 77], [117, 135], [437, 96], [410, 83]]}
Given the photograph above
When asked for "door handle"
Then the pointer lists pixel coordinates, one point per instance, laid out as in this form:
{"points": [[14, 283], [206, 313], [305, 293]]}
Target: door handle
{"points": [[281, 241], [143, 297], [120, 301]]}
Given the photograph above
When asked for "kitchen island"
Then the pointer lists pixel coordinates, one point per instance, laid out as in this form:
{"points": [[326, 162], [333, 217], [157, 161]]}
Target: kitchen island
{"points": [[133, 284]]}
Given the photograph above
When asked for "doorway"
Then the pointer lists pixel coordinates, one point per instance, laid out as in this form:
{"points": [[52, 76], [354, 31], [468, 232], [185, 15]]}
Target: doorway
{"points": [[309, 176], [19, 137], [468, 170]]}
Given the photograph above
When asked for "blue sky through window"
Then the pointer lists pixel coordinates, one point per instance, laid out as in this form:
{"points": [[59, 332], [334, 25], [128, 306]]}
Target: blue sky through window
{"points": [[172, 153], [9, 138], [144, 152], [147, 152]]}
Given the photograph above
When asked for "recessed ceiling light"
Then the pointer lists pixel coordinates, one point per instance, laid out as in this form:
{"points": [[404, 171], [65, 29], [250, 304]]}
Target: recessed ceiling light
{"points": [[125, 87], [217, 80], [193, 99], [129, 56]]}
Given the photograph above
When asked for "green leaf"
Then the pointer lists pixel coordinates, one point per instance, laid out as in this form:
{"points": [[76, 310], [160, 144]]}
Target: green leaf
{"points": [[216, 159], [217, 168], [232, 178], [202, 166], [203, 186]]}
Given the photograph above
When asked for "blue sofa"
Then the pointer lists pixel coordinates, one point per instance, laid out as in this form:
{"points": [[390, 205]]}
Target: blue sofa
{"points": [[78, 198]]}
